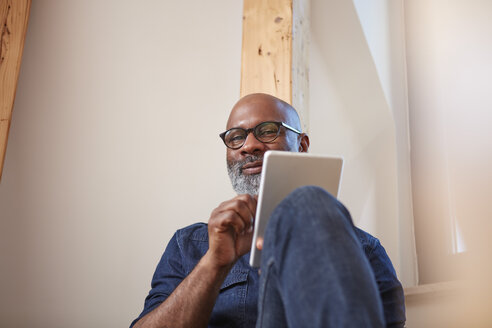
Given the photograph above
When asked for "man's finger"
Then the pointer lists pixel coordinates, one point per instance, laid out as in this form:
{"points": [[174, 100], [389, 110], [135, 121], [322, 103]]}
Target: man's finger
{"points": [[250, 201], [244, 206], [232, 219], [259, 243]]}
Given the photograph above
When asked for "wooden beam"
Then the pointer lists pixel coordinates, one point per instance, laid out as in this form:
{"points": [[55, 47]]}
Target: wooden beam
{"points": [[275, 51], [14, 15]]}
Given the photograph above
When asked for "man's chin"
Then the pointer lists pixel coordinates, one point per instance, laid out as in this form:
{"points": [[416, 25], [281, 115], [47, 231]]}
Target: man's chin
{"points": [[248, 184]]}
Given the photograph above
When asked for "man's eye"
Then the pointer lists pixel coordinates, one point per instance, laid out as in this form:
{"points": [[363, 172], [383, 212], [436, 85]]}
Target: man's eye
{"points": [[236, 138], [268, 132]]}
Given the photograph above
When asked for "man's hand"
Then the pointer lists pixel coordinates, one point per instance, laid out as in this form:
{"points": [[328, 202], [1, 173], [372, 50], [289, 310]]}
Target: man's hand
{"points": [[230, 230]]}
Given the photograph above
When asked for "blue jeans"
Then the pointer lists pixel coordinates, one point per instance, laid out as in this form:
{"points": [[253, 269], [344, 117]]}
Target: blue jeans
{"points": [[314, 272]]}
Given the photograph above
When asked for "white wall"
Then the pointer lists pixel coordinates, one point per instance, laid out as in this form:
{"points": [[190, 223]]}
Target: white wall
{"points": [[383, 25], [113, 146], [449, 72], [449, 47], [358, 110]]}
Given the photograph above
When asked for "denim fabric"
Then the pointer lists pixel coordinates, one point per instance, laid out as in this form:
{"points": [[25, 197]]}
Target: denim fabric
{"points": [[315, 272], [237, 304]]}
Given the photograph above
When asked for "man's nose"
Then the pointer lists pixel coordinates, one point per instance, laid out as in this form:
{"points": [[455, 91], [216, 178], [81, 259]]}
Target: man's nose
{"points": [[252, 145]]}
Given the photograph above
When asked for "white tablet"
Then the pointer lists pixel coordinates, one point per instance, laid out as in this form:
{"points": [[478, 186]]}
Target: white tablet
{"points": [[281, 174]]}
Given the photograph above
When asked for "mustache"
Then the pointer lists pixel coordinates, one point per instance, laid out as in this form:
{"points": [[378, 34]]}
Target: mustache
{"points": [[237, 166], [251, 159]]}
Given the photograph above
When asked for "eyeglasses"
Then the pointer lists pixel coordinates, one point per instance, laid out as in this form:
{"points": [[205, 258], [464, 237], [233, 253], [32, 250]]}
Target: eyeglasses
{"points": [[265, 132]]}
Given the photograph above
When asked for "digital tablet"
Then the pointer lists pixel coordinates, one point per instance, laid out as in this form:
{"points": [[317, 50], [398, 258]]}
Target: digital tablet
{"points": [[282, 173]]}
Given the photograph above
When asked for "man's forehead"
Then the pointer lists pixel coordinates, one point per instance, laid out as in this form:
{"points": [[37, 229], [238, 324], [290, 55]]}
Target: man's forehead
{"points": [[254, 112]]}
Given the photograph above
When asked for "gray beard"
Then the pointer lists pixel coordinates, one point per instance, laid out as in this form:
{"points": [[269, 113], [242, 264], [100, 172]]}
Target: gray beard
{"points": [[244, 184]]}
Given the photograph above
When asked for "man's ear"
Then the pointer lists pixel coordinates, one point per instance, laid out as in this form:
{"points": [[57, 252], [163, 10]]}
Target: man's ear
{"points": [[304, 143]]}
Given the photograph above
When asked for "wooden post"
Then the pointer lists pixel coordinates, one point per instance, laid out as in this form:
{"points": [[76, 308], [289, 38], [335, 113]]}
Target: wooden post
{"points": [[14, 15], [275, 51]]}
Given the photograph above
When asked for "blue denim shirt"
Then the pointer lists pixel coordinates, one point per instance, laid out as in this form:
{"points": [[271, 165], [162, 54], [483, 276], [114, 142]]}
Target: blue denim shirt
{"points": [[236, 305]]}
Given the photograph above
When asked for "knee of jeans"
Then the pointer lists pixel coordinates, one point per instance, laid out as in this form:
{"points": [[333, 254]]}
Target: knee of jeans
{"points": [[311, 196], [303, 200]]}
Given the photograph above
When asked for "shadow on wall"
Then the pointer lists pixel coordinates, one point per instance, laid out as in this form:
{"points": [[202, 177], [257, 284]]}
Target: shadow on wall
{"points": [[360, 125]]}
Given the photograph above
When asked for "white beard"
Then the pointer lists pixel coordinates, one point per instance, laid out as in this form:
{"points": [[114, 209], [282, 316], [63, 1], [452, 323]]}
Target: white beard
{"points": [[244, 184]]}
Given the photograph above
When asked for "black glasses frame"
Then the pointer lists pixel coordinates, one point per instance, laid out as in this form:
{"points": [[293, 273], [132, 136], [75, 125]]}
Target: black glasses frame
{"points": [[254, 130]]}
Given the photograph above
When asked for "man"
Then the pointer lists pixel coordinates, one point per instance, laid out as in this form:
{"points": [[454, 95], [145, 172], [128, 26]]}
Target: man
{"points": [[317, 269]]}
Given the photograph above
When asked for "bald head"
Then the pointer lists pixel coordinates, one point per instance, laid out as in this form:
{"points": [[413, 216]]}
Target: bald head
{"points": [[264, 106]]}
